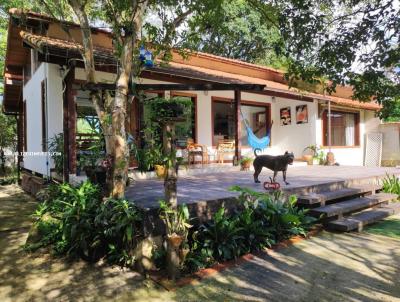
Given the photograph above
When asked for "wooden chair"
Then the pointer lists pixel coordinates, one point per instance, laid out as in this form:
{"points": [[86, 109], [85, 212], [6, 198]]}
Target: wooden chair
{"points": [[196, 150], [224, 147]]}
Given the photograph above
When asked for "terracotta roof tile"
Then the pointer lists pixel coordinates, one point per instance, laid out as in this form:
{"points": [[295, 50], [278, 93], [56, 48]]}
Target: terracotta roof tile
{"points": [[41, 42]]}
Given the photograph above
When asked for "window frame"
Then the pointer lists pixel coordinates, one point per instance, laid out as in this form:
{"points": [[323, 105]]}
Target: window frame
{"points": [[219, 99], [193, 98], [324, 118]]}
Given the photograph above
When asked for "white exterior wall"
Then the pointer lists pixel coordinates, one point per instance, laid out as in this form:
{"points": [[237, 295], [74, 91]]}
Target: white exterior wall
{"points": [[32, 96], [293, 138]]}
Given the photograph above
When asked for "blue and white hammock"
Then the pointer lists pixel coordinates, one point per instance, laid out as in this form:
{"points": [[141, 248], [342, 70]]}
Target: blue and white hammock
{"points": [[253, 140]]}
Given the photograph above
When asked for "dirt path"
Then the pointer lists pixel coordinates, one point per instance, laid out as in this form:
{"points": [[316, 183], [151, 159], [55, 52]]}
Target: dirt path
{"points": [[330, 267]]}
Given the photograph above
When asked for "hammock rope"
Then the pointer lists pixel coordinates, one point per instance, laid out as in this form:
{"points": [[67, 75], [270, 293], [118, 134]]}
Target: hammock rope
{"points": [[254, 141]]}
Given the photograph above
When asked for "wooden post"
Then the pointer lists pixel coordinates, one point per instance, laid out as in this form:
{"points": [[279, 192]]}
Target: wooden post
{"points": [[69, 126], [238, 131]]}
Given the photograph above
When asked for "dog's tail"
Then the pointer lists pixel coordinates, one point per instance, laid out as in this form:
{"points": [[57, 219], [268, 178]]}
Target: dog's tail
{"points": [[255, 151]]}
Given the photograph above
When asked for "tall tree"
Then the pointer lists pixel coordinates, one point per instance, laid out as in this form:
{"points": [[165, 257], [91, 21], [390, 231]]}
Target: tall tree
{"points": [[238, 31], [8, 137], [354, 42], [126, 18]]}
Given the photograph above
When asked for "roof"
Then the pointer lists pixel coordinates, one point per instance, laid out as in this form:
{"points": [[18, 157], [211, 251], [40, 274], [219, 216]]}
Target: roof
{"points": [[198, 66]]}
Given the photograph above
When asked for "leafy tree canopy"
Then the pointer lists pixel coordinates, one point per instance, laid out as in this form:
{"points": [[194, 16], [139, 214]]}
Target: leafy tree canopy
{"points": [[8, 130], [238, 31], [353, 42]]}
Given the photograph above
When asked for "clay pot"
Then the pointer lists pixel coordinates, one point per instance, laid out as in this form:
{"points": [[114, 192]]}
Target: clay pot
{"points": [[308, 158], [175, 240], [245, 165], [183, 253], [160, 170], [330, 158]]}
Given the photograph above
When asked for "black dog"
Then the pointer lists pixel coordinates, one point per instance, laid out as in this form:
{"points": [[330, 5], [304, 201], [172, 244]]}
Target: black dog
{"points": [[274, 163]]}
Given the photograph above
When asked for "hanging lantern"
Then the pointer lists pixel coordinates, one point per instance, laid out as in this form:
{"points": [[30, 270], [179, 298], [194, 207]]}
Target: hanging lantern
{"points": [[142, 53], [148, 59]]}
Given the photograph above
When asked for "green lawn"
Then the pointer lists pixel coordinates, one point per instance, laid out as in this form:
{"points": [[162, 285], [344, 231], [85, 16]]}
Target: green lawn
{"points": [[389, 227]]}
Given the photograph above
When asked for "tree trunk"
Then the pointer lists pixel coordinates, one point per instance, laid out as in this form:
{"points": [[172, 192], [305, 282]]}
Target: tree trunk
{"points": [[3, 161], [120, 147], [109, 109], [171, 176]]}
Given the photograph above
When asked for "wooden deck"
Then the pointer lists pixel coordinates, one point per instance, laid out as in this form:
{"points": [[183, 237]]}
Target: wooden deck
{"points": [[203, 188]]}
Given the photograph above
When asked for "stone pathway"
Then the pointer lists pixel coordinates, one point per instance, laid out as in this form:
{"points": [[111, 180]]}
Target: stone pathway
{"points": [[330, 267]]}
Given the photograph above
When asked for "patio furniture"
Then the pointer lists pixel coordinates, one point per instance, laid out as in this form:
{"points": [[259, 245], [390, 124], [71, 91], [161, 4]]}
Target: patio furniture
{"points": [[196, 150], [225, 147]]}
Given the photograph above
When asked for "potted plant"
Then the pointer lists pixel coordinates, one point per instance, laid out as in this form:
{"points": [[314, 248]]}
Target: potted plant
{"points": [[311, 158], [245, 163], [169, 108], [177, 228]]}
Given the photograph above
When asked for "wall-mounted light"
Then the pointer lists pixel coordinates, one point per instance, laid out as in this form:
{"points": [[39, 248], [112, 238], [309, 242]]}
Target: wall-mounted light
{"points": [[273, 99]]}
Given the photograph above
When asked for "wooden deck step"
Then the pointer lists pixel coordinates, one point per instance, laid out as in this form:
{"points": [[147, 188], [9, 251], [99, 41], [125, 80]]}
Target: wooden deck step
{"points": [[322, 197], [359, 220], [340, 208]]}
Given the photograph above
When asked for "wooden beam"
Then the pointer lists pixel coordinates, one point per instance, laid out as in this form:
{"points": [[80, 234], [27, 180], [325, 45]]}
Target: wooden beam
{"points": [[238, 132], [180, 87]]}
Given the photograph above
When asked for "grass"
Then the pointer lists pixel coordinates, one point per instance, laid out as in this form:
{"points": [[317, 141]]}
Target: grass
{"points": [[389, 227]]}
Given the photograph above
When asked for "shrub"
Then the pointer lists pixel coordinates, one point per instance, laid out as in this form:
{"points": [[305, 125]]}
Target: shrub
{"points": [[221, 238], [282, 218], [86, 226], [391, 184], [119, 223], [264, 220]]}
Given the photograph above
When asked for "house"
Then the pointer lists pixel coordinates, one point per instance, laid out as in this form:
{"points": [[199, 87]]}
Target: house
{"points": [[43, 87]]}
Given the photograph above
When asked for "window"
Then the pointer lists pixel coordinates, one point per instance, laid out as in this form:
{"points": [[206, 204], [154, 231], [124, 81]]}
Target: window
{"points": [[224, 121], [344, 129], [257, 116], [258, 119], [187, 129]]}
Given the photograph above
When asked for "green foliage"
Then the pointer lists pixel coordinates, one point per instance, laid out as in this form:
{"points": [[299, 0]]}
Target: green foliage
{"points": [[236, 30], [82, 225], [221, 238], [245, 160], [56, 148], [347, 42], [148, 157], [391, 184], [390, 111], [119, 223], [163, 109], [176, 220], [8, 136], [264, 220]]}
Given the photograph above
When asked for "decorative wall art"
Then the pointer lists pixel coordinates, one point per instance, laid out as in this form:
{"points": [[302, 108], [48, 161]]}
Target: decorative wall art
{"points": [[285, 116], [301, 114]]}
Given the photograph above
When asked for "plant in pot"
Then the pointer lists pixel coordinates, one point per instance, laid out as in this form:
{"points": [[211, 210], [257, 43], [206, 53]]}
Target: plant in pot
{"points": [[95, 163], [313, 157], [177, 228], [245, 163], [174, 107]]}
